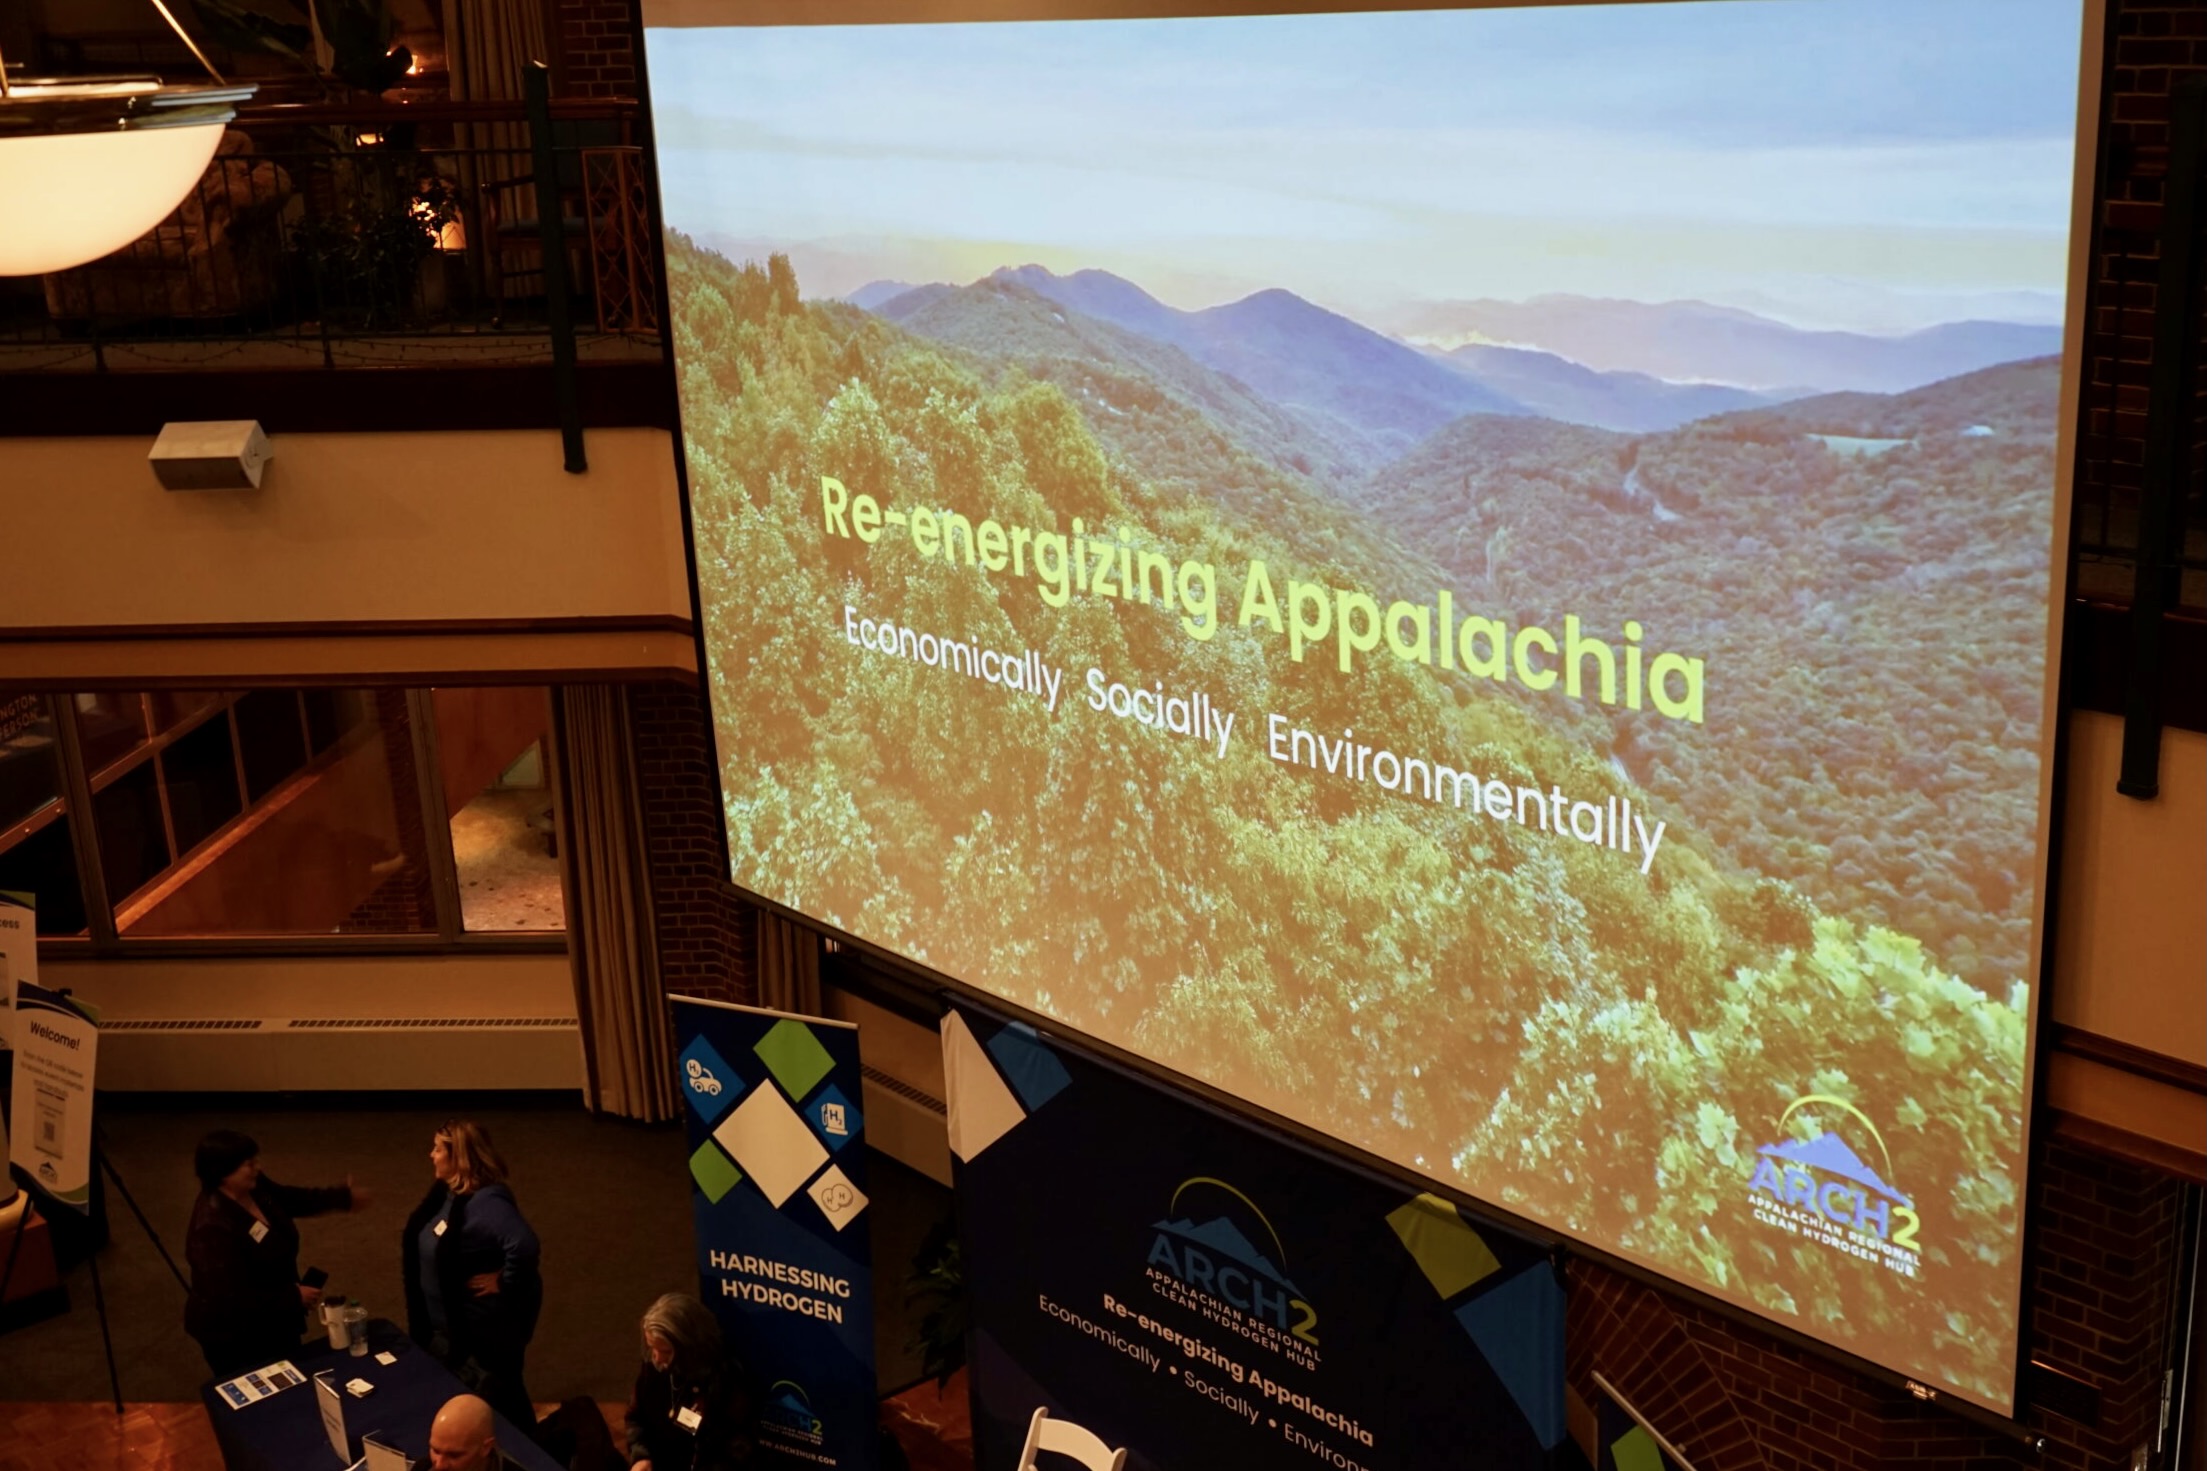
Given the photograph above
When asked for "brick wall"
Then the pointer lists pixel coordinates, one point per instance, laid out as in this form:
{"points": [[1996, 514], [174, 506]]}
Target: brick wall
{"points": [[706, 934], [2152, 46], [1732, 1399], [597, 47]]}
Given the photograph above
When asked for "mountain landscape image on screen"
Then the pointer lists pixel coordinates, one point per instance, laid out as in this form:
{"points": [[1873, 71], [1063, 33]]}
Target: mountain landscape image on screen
{"points": [[1718, 954]]}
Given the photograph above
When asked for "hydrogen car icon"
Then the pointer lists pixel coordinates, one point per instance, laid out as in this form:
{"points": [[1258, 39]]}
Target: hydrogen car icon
{"points": [[702, 1079]]}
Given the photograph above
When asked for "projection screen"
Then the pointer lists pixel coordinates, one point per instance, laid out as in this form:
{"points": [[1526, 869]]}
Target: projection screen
{"points": [[1482, 580]]}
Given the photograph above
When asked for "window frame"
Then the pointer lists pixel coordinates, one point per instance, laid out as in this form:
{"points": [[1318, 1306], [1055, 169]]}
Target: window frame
{"points": [[102, 937]]}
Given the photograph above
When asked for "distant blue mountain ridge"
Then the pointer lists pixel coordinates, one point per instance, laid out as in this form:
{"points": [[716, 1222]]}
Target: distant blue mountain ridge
{"points": [[1628, 366], [1344, 382], [1831, 1154], [1300, 356], [1224, 1238], [871, 295], [1696, 342]]}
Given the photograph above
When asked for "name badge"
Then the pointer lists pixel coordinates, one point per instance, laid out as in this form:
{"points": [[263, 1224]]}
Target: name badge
{"points": [[688, 1418], [259, 1232], [437, 1230]]}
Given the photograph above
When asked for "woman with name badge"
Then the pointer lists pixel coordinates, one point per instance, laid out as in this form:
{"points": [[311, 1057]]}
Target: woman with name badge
{"points": [[473, 1290], [247, 1307], [692, 1409]]}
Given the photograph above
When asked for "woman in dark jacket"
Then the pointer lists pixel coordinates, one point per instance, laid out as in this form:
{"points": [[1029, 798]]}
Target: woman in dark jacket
{"points": [[247, 1307], [472, 1287], [692, 1409]]}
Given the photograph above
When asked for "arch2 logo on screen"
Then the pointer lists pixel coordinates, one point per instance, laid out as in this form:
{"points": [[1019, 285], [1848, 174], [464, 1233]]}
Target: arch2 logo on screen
{"points": [[1821, 1188], [1215, 1253]]}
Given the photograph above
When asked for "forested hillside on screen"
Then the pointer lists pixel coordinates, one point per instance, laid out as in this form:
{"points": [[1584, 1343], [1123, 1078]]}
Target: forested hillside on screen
{"points": [[1842, 907], [1884, 756]]}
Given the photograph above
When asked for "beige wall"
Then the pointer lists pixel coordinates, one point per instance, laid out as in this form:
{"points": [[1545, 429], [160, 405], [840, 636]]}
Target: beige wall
{"points": [[441, 529], [511, 1023], [369, 986], [2130, 944], [2130, 952]]}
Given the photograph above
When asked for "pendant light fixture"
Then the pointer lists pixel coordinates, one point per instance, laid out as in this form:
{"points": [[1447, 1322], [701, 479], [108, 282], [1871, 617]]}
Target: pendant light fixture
{"points": [[88, 165]]}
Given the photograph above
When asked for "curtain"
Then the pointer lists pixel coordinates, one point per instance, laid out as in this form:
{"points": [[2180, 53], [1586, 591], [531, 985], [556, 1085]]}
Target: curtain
{"points": [[487, 43], [789, 965], [610, 926]]}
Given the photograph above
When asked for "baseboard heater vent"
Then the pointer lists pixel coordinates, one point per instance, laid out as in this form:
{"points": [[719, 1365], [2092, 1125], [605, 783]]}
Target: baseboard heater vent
{"points": [[197, 1024], [339, 1054], [903, 1090], [440, 1023], [907, 1123]]}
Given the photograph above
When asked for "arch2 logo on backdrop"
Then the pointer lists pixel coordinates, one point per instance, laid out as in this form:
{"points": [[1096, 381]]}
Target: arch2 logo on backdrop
{"points": [[788, 1411], [1821, 1188], [1205, 1256]]}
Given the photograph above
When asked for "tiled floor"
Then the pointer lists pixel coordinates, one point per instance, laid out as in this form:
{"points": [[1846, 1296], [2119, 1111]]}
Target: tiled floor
{"points": [[933, 1428], [81, 1437], [509, 879]]}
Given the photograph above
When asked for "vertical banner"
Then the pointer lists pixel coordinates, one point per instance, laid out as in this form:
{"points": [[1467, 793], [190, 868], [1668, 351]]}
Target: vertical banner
{"points": [[57, 1043], [18, 954], [778, 1158], [1204, 1293], [18, 961]]}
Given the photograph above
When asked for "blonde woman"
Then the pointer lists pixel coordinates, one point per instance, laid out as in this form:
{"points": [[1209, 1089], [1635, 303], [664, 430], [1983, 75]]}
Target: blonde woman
{"points": [[472, 1286]]}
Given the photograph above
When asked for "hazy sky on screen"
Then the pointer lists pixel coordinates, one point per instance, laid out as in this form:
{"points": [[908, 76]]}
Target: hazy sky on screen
{"points": [[1877, 164]]}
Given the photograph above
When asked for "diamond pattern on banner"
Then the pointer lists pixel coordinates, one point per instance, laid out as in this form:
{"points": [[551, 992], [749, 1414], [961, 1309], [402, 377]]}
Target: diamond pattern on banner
{"points": [[1636, 1450], [715, 1174], [1529, 1364], [982, 1109], [708, 1082], [1029, 1065], [1451, 1254], [774, 1146], [794, 1056], [839, 1200], [835, 1117]]}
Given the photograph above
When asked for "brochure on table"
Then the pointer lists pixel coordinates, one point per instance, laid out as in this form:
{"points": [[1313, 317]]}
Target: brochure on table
{"points": [[377, 1456], [259, 1384], [332, 1405]]}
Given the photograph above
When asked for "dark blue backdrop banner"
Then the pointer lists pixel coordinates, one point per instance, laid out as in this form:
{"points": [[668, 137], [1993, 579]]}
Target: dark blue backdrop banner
{"points": [[778, 1166], [1206, 1293]]}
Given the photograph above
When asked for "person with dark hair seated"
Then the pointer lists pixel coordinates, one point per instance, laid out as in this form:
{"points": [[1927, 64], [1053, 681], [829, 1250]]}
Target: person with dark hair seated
{"points": [[692, 1409], [247, 1306], [473, 1289]]}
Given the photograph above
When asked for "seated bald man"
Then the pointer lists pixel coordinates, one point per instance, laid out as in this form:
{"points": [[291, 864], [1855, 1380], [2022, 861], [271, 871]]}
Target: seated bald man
{"points": [[463, 1437]]}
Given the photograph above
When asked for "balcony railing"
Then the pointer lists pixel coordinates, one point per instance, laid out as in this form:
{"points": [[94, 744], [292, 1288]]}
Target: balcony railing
{"points": [[333, 238]]}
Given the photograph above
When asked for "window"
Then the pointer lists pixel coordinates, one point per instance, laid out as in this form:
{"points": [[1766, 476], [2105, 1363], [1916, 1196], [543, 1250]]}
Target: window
{"points": [[305, 839], [37, 844], [283, 814], [491, 746]]}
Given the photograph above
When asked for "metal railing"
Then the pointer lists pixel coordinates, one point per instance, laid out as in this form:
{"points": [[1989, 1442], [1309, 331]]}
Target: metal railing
{"points": [[328, 237]]}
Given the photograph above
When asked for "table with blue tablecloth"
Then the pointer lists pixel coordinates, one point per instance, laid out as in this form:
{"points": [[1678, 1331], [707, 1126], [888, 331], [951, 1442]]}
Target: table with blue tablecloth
{"points": [[284, 1431]]}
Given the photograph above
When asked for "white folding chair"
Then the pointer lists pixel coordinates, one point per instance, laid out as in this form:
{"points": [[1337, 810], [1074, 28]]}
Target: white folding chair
{"points": [[1067, 1439]]}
